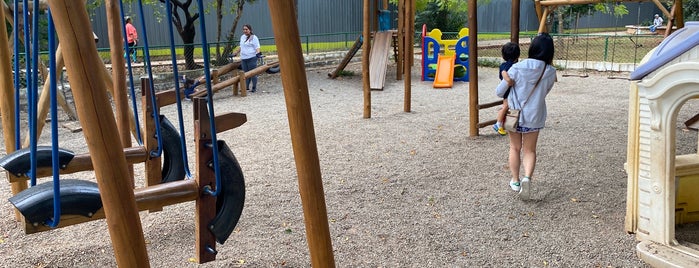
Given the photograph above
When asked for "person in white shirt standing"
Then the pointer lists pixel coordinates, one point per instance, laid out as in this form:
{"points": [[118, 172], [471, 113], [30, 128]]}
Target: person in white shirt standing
{"points": [[249, 52]]}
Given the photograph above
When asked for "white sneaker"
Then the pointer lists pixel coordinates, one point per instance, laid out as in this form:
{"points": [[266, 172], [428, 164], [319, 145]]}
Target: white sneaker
{"points": [[525, 188], [515, 186]]}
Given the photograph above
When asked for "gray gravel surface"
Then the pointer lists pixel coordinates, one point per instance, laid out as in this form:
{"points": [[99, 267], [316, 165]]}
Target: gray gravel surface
{"points": [[402, 189]]}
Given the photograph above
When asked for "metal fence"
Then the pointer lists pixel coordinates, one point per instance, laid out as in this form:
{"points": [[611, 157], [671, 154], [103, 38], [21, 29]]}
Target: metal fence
{"points": [[584, 51]]}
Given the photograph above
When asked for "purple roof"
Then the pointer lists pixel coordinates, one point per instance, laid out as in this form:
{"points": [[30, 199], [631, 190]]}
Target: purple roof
{"points": [[672, 47]]}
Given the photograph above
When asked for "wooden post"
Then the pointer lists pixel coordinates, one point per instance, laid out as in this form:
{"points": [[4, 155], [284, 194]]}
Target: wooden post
{"points": [[678, 14], [473, 67], [235, 87], [99, 126], [408, 54], [514, 22], [366, 46], [206, 204], [303, 137], [121, 100], [401, 41], [214, 76], [241, 83], [542, 24], [7, 104], [153, 167]]}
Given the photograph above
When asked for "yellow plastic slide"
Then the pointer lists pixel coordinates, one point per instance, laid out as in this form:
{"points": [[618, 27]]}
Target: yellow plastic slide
{"points": [[444, 78]]}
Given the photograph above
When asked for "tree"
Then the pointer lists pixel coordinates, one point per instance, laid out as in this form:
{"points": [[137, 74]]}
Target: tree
{"points": [[568, 16], [691, 10], [446, 15], [185, 28], [237, 9]]}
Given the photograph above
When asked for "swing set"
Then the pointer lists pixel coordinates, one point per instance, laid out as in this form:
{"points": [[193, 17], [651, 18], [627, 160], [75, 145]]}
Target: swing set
{"points": [[217, 186]]}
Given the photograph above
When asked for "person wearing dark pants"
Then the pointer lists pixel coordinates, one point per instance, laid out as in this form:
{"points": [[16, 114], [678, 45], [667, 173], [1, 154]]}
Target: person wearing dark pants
{"points": [[249, 52]]}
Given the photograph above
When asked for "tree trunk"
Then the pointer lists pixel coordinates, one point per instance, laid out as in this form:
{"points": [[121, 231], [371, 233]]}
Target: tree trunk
{"points": [[188, 40], [231, 38], [219, 18]]}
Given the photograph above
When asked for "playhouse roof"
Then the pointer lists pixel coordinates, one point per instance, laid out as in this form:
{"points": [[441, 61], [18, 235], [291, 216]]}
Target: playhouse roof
{"points": [[673, 46]]}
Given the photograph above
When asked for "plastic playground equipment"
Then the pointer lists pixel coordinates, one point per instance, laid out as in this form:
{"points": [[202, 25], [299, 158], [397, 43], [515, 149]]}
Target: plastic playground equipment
{"points": [[434, 48], [662, 186]]}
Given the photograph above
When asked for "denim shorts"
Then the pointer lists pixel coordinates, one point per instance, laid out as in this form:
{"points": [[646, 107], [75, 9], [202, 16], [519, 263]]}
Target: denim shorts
{"points": [[521, 129]]}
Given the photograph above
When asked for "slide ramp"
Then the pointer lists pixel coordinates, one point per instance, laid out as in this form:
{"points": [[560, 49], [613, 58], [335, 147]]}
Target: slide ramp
{"points": [[378, 59], [444, 78]]}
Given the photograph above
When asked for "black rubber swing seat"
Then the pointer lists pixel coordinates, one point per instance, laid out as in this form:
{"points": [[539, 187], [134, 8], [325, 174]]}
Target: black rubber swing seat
{"points": [[273, 70], [19, 165], [78, 197], [231, 198], [173, 163]]}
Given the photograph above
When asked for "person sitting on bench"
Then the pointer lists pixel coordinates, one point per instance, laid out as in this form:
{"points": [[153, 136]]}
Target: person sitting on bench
{"points": [[657, 22]]}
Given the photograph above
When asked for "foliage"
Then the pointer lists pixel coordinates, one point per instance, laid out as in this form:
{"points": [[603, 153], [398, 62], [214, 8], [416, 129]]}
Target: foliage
{"points": [[446, 15], [436, 16], [691, 10]]}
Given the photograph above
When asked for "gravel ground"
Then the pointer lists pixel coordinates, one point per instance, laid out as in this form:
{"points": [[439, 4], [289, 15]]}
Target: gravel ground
{"points": [[402, 189]]}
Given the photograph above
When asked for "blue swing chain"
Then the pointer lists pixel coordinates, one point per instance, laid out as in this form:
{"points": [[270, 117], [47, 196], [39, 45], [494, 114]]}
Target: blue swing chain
{"points": [[15, 34], [32, 78], [131, 85], [209, 101], [154, 113], [173, 54], [54, 125]]}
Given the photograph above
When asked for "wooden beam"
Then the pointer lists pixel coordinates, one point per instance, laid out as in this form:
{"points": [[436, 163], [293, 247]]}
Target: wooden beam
{"points": [[663, 9], [99, 126], [147, 198], [473, 67], [408, 53], [303, 138], [226, 83], [542, 24], [514, 22], [121, 101], [366, 47]]}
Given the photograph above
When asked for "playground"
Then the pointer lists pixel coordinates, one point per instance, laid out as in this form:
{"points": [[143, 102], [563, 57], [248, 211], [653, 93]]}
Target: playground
{"points": [[402, 189], [424, 186]]}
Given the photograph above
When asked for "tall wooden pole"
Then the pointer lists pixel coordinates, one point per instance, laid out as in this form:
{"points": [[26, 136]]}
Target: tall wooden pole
{"points": [[7, 98], [514, 22], [678, 14], [401, 40], [366, 46], [408, 53], [303, 137], [121, 101], [473, 67], [99, 126]]}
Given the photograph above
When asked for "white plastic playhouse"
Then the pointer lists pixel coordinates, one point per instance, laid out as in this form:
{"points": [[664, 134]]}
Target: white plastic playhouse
{"points": [[663, 188]]}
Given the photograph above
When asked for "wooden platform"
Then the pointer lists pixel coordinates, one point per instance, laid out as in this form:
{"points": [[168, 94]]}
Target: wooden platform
{"points": [[378, 59]]}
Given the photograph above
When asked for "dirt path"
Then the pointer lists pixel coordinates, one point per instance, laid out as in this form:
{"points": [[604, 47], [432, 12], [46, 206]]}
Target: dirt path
{"points": [[402, 189]]}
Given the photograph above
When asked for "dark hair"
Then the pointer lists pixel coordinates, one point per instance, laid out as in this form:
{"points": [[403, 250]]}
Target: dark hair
{"points": [[510, 52], [542, 48], [249, 28]]}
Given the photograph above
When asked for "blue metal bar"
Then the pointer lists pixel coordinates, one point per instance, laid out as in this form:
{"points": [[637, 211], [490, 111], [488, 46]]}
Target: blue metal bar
{"points": [[54, 126], [15, 32], [210, 101], [173, 55], [146, 61], [131, 85]]}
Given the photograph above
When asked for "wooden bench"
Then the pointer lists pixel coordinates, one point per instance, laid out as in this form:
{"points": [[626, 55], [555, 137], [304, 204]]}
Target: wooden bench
{"points": [[635, 29]]}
